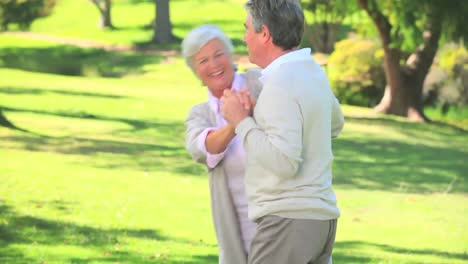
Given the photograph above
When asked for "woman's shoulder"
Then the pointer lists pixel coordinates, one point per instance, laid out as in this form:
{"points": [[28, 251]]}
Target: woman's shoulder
{"points": [[252, 82], [201, 115], [200, 108], [254, 73]]}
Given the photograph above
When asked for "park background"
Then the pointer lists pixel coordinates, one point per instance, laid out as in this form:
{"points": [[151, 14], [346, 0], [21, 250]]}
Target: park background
{"points": [[92, 161]]}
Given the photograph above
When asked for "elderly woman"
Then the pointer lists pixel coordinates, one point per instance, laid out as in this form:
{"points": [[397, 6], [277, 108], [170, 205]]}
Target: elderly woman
{"points": [[212, 142]]}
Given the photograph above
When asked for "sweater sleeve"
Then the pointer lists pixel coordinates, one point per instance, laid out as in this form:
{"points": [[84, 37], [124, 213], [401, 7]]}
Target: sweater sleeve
{"points": [[337, 118], [212, 160], [276, 144], [196, 127]]}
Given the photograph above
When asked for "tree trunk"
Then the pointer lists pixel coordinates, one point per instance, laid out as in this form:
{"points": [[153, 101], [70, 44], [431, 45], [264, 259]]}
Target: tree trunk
{"points": [[162, 25], [106, 21], [104, 7], [403, 93], [403, 98], [394, 100]]}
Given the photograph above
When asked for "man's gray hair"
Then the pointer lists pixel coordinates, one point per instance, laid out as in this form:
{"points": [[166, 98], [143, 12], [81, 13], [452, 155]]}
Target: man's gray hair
{"points": [[283, 18], [198, 37]]}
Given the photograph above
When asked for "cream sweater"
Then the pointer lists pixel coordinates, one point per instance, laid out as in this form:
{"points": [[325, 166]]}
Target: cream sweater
{"points": [[288, 144]]}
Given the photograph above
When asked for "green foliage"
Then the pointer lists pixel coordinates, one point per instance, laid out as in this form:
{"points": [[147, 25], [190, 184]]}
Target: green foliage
{"points": [[447, 82], [410, 18], [455, 115], [326, 22], [453, 58], [23, 12], [329, 11], [356, 72]]}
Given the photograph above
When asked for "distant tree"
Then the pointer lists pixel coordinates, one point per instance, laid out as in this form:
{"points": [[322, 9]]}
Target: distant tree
{"points": [[410, 32], [162, 23], [23, 13], [326, 21], [104, 7]]}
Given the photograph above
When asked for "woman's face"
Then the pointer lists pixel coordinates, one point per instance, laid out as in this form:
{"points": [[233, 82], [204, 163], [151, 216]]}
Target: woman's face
{"points": [[214, 67]]}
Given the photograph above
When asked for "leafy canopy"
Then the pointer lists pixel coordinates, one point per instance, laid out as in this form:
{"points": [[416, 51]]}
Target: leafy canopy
{"points": [[411, 18]]}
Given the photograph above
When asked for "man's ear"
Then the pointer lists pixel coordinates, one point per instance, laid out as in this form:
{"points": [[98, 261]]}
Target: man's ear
{"points": [[266, 36]]}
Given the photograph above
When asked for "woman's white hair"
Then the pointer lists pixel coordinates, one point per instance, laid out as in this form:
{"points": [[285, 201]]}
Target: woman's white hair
{"points": [[198, 37]]}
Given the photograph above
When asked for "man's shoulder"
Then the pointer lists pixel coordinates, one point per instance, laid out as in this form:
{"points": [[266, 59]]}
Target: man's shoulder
{"points": [[294, 66], [307, 70], [288, 72]]}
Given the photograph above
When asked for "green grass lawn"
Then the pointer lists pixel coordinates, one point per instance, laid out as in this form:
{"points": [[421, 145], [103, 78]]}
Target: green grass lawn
{"points": [[100, 174]]}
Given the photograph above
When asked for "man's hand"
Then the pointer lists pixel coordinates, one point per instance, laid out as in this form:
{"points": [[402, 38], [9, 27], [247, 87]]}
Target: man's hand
{"points": [[235, 107]]}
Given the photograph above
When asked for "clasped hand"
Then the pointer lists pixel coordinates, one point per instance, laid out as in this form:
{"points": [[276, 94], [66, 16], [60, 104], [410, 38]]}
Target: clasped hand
{"points": [[236, 106]]}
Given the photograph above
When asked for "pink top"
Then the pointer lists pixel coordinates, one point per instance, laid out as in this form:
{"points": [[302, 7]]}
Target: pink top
{"points": [[234, 163]]}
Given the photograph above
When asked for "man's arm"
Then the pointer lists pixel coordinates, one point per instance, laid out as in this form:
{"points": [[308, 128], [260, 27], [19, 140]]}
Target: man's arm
{"points": [[337, 118], [277, 145]]}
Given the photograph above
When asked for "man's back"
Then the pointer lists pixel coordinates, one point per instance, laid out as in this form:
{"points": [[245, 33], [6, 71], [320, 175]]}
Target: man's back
{"points": [[293, 178]]}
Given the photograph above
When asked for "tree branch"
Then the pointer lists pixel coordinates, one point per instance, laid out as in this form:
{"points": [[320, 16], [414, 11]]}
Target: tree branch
{"points": [[381, 22], [98, 5], [421, 59]]}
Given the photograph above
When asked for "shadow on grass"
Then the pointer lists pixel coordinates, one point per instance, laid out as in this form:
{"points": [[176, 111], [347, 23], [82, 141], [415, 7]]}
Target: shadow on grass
{"points": [[136, 125], [168, 154], [75, 61], [367, 162], [116, 154], [29, 231], [129, 258], [340, 255], [395, 166], [200, 259], [411, 128], [377, 163]]}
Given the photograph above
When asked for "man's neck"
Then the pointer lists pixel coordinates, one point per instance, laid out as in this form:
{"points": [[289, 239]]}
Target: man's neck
{"points": [[274, 53]]}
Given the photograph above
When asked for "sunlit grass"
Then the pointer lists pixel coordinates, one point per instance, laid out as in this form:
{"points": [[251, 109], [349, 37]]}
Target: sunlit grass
{"points": [[136, 28], [104, 177]]}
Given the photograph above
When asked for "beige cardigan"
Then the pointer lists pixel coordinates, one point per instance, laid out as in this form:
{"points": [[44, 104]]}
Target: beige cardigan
{"points": [[224, 215]]}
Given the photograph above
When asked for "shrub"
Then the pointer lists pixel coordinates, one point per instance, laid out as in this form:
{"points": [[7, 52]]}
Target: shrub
{"points": [[447, 82], [356, 73], [23, 12]]}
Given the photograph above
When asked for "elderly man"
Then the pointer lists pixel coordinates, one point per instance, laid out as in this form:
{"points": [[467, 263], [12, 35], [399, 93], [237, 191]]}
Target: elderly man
{"points": [[287, 140]]}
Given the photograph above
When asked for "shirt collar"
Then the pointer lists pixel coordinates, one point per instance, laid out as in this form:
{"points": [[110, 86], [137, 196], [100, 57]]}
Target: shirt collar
{"points": [[215, 103], [297, 55]]}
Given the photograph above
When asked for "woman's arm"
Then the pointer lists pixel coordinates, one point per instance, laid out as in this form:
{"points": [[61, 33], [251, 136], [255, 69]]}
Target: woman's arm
{"points": [[218, 140], [204, 141]]}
